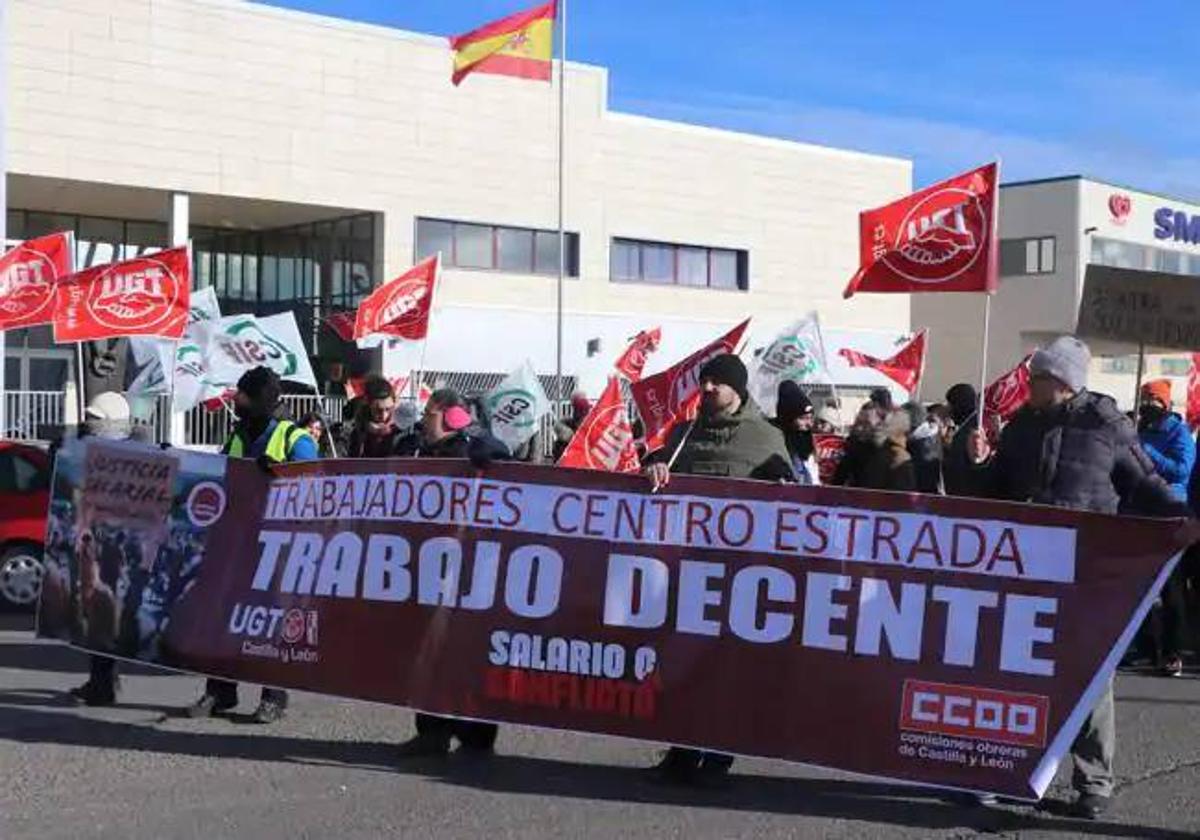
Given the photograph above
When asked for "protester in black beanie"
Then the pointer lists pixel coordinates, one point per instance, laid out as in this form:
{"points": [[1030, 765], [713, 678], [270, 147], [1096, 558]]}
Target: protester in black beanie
{"points": [[963, 401], [730, 370], [794, 416], [957, 472]]}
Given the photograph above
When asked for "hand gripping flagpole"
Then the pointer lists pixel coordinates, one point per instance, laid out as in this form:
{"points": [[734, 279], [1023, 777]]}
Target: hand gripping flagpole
{"points": [[562, 235]]}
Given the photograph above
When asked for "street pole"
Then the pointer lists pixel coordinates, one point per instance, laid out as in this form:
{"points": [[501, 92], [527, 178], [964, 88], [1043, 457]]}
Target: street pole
{"points": [[562, 234]]}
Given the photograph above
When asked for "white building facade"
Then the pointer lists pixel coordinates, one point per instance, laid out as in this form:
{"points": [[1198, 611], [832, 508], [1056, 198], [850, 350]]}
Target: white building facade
{"points": [[1050, 231], [308, 159]]}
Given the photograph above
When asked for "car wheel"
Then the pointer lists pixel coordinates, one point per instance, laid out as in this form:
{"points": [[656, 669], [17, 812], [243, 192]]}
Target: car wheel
{"points": [[21, 572]]}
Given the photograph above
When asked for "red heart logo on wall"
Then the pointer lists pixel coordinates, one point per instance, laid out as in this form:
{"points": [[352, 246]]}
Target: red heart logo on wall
{"points": [[1120, 206]]}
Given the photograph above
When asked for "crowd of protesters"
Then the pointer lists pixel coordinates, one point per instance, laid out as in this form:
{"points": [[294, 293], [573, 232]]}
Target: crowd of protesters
{"points": [[1066, 447]]}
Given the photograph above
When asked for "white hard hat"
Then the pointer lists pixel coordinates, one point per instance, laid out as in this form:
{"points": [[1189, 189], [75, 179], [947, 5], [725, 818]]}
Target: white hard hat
{"points": [[109, 406]]}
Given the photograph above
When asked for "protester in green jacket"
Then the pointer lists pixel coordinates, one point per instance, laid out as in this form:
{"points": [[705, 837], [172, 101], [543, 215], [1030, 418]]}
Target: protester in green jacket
{"points": [[729, 439]]}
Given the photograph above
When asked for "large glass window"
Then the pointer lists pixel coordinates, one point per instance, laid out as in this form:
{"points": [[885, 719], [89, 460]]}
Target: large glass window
{"points": [[495, 247], [1027, 256], [662, 263]]}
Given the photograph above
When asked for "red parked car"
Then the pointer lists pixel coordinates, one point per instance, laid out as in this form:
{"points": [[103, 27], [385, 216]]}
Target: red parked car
{"points": [[24, 501]]}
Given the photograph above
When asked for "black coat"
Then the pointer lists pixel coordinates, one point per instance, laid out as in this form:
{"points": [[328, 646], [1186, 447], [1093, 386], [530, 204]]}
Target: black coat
{"points": [[958, 475], [1082, 455], [481, 447]]}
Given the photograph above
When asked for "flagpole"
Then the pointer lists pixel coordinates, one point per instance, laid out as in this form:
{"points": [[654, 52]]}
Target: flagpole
{"points": [[562, 234], [987, 324], [81, 396], [993, 283]]}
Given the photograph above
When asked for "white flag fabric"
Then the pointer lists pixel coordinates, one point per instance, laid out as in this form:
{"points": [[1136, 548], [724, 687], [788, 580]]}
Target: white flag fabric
{"points": [[153, 355], [232, 345], [516, 406], [798, 354]]}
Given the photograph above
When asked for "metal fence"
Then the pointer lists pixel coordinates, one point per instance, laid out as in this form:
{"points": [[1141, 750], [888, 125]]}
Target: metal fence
{"points": [[34, 415]]}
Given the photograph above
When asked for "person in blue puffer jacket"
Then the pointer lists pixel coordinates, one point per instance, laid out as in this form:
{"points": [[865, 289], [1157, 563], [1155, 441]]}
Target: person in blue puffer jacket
{"points": [[1165, 437], [1168, 442]]}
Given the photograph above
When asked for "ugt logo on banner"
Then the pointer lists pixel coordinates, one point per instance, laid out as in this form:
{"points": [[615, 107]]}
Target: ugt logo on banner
{"points": [[28, 275], [144, 296]]}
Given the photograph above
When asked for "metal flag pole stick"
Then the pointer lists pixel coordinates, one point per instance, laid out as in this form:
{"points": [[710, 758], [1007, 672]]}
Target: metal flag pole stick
{"points": [[562, 234], [1141, 371], [81, 391], [171, 396]]}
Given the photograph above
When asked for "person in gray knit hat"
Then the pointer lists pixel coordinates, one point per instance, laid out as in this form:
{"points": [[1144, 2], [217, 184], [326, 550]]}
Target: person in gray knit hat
{"points": [[1095, 463]]}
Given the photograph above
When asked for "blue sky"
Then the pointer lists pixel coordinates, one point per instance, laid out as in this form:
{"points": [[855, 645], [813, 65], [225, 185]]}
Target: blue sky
{"points": [[1103, 88]]}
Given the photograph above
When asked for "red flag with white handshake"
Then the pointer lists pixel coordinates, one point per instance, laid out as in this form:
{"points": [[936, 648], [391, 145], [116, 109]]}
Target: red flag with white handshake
{"points": [[674, 394], [1008, 393], [939, 239], [904, 368], [144, 296], [401, 307], [604, 440], [633, 361], [29, 273]]}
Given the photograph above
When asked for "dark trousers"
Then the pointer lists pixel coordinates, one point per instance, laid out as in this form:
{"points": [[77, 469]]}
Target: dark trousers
{"points": [[1175, 630], [691, 759], [473, 734], [226, 693], [102, 671]]}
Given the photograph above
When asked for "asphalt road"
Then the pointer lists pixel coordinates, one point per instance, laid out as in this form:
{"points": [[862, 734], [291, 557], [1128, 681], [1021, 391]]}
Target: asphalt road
{"points": [[330, 771]]}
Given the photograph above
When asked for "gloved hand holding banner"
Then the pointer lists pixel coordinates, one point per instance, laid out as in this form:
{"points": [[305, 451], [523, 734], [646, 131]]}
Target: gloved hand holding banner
{"points": [[942, 641]]}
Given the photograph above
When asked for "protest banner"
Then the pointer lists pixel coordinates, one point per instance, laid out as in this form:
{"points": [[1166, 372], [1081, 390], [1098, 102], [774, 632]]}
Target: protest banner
{"points": [[237, 343], [942, 641], [516, 406], [1153, 309]]}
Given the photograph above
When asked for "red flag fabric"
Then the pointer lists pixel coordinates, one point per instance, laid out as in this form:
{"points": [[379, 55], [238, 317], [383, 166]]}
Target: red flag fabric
{"points": [[145, 296], [29, 273], [904, 368], [829, 452], [342, 325], [401, 307], [674, 394], [1008, 393], [1193, 392], [633, 360], [939, 239], [604, 440]]}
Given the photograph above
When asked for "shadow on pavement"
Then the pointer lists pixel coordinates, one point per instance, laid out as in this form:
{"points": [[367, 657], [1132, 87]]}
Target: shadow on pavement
{"points": [[876, 802], [51, 656]]}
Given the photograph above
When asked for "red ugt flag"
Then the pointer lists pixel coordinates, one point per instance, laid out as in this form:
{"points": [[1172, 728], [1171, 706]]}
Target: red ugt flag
{"points": [[145, 296], [674, 394], [904, 368], [1008, 393], [604, 440], [400, 308], [342, 325], [28, 274], [1193, 392], [633, 360], [940, 239]]}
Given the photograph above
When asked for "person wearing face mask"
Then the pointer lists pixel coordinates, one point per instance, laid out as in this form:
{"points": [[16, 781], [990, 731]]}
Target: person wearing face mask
{"points": [[795, 418], [264, 438], [1169, 444], [730, 438], [1071, 448]]}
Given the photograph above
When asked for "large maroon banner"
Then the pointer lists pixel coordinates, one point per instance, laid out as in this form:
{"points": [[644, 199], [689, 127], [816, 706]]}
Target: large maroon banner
{"points": [[939, 641]]}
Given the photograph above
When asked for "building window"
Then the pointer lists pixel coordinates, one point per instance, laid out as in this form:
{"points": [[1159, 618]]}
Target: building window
{"points": [[1027, 256], [1119, 364], [663, 264], [495, 247], [1175, 367]]}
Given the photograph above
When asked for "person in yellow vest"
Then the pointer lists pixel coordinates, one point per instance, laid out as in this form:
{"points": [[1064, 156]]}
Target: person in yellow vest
{"points": [[261, 436]]}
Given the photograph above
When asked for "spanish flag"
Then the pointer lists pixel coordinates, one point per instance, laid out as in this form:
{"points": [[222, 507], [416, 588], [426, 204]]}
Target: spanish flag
{"points": [[519, 45]]}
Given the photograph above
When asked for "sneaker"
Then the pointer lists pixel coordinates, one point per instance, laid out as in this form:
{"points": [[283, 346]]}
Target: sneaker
{"points": [[425, 746], [1089, 806], [1173, 667], [268, 711], [207, 706]]}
